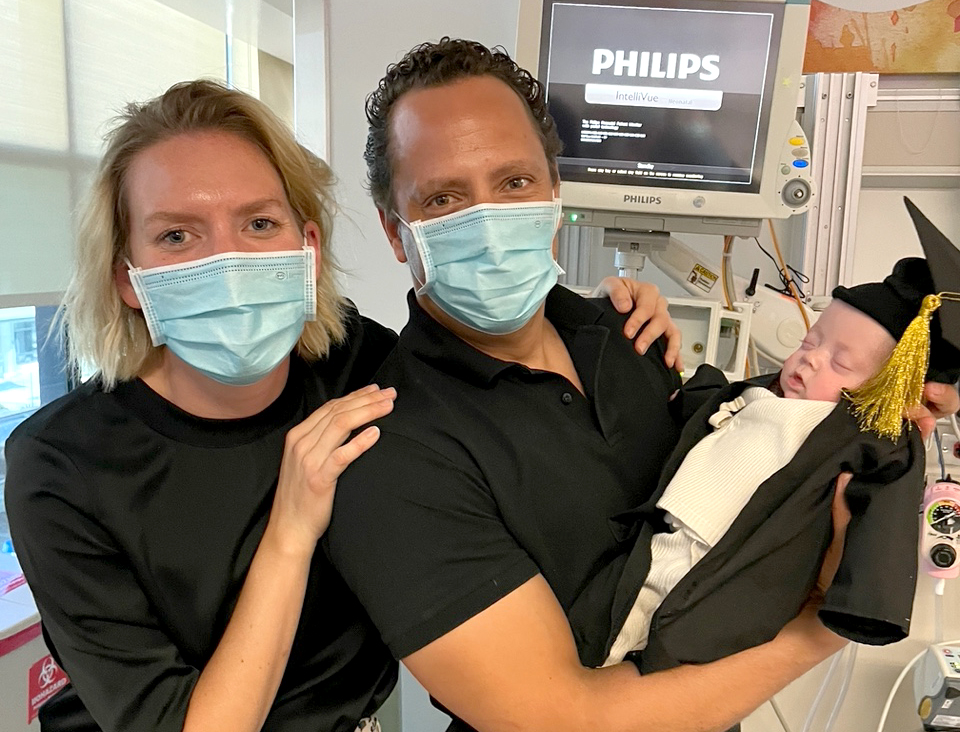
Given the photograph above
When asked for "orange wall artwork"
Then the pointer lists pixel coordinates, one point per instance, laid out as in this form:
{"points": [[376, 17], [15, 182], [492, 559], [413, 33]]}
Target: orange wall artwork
{"points": [[884, 36]]}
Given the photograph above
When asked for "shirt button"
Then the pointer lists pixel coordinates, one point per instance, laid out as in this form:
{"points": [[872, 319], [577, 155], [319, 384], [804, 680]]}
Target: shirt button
{"points": [[566, 397]]}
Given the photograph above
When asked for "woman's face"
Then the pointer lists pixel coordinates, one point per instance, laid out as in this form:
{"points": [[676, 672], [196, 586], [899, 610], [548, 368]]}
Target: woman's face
{"points": [[201, 194]]}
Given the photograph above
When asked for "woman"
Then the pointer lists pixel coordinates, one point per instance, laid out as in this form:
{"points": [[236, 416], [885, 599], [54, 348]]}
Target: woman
{"points": [[174, 570]]}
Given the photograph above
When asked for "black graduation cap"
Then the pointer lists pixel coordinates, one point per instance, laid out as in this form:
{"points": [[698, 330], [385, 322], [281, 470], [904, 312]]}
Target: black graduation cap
{"points": [[908, 304], [943, 261]]}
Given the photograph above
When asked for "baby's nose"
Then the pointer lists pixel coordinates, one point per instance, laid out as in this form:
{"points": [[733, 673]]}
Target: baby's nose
{"points": [[814, 358]]}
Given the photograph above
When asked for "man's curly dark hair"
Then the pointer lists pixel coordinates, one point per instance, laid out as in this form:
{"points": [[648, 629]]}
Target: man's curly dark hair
{"points": [[436, 64]]}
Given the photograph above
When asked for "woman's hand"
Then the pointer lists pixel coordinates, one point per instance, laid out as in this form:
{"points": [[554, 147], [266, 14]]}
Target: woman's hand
{"points": [[649, 315], [315, 453]]}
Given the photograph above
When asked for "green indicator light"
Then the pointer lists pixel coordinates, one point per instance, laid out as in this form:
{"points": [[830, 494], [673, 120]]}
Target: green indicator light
{"points": [[574, 217]]}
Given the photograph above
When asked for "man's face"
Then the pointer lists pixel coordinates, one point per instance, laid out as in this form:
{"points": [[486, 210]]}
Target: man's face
{"points": [[454, 146], [842, 350]]}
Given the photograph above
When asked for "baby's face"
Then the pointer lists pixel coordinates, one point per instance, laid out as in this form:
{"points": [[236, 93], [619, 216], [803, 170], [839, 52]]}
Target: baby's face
{"points": [[843, 349]]}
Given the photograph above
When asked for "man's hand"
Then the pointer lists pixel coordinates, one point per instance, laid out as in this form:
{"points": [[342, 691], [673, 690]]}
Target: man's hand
{"points": [[806, 628], [939, 400], [649, 315], [841, 518]]}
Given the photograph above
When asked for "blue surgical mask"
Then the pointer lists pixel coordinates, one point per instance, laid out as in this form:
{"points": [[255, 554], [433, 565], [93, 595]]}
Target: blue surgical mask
{"points": [[489, 266], [233, 317]]}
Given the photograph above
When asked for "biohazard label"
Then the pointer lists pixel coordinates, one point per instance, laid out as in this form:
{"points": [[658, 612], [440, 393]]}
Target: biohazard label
{"points": [[44, 679], [702, 277]]}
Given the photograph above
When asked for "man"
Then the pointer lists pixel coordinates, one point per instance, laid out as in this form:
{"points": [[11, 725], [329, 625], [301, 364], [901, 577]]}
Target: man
{"points": [[523, 423]]}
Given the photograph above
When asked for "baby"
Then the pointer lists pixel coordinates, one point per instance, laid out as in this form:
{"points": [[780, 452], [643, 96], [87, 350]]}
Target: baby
{"points": [[729, 547], [754, 436]]}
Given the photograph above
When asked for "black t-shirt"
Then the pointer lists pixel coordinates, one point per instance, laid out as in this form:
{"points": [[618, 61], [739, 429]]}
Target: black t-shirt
{"points": [[136, 523], [487, 473]]}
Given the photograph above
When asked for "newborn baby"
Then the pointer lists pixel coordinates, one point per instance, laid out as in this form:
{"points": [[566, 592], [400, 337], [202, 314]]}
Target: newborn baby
{"points": [[755, 436]]}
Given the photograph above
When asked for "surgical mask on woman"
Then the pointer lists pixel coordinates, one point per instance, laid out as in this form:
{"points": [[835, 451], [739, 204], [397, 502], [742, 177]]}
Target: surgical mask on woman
{"points": [[489, 266], [233, 317]]}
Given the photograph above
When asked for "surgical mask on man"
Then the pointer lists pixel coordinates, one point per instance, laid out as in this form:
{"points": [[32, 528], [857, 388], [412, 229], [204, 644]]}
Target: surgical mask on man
{"points": [[489, 266], [233, 317]]}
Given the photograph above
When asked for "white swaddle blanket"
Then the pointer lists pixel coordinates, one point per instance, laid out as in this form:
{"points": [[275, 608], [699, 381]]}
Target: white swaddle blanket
{"points": [[755, 435]]}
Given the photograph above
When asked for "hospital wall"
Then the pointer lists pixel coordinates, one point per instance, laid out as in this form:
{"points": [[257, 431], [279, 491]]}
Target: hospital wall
{"points": [[364, 38]]}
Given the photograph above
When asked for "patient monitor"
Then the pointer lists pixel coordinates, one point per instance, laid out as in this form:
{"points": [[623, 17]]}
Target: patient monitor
{"points": [[675, 115], [678, 116]]}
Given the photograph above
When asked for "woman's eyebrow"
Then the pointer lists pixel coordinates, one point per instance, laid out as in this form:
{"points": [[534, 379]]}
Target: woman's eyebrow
{"points": [[261, 204]]}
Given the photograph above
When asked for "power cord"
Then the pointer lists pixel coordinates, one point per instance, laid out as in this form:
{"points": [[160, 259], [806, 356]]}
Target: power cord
{"points": [[795, 274], [818, 699], [844, 687], [776, 710]]}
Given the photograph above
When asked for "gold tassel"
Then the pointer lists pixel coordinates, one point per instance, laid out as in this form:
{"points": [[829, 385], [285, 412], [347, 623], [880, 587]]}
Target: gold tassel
{"points": [[881, 402]]}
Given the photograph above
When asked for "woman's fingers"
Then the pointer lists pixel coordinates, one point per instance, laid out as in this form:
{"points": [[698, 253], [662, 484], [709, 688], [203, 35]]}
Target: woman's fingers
{"points": [[328, 427], [316, 453], [348, 452], [360, 395]]}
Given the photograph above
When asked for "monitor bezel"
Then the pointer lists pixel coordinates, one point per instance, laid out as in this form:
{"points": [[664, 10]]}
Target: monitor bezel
{"points": [[689, 209]]}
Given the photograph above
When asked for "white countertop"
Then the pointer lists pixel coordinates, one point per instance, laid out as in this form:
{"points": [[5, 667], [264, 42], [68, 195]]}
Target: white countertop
{"points": [[18, 611]]}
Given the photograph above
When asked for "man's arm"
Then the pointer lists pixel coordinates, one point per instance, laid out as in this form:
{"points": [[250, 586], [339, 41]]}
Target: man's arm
{"points": [[514, 667]]}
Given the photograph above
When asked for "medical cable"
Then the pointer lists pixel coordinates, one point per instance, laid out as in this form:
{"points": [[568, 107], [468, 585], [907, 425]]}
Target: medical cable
{"points": [[828, 677], [724, 268], [776, 710], [938, 610], [798, 276], [956, 428], [933, 125], [936, 437], [786, 273], [844, 687]]}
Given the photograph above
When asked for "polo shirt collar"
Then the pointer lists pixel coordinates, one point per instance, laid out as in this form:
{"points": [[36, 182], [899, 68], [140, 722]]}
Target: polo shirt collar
{"points": [[432, 342]]}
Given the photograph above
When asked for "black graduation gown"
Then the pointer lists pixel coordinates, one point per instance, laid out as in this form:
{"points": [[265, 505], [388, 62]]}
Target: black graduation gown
{"points": [[760, 573]]}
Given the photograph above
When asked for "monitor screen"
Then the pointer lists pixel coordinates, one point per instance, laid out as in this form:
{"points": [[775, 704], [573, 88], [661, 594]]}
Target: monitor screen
{"points": [[654, 90], [675, 115]]}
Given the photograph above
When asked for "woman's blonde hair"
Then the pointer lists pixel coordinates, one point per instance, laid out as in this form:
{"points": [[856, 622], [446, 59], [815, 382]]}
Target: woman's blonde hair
{"points": [[104, 332]]}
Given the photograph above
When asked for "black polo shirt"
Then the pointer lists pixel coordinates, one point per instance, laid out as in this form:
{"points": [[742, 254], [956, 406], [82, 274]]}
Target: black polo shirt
{"points": [[487, 473]]}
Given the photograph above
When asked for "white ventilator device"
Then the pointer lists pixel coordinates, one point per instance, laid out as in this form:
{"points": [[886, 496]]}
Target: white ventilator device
{"points": [[771, 319], [936, 686]]}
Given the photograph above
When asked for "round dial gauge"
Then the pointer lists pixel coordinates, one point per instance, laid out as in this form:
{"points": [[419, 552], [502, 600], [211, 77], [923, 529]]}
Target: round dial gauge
{"points": [[944, 516]]}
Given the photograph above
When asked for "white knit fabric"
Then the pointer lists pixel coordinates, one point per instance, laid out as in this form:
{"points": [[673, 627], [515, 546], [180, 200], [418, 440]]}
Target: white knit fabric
{"points": [[755, 435]]}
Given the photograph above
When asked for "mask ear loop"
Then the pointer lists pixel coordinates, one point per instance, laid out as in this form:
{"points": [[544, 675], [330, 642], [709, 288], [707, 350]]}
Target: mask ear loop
{"points": [[146, 306], [309, 282], [416, 255], [557, 223]]}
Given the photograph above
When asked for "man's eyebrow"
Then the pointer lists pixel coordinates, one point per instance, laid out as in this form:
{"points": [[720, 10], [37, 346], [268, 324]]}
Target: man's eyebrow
{"points": [[520, 166], [430, 186]]}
